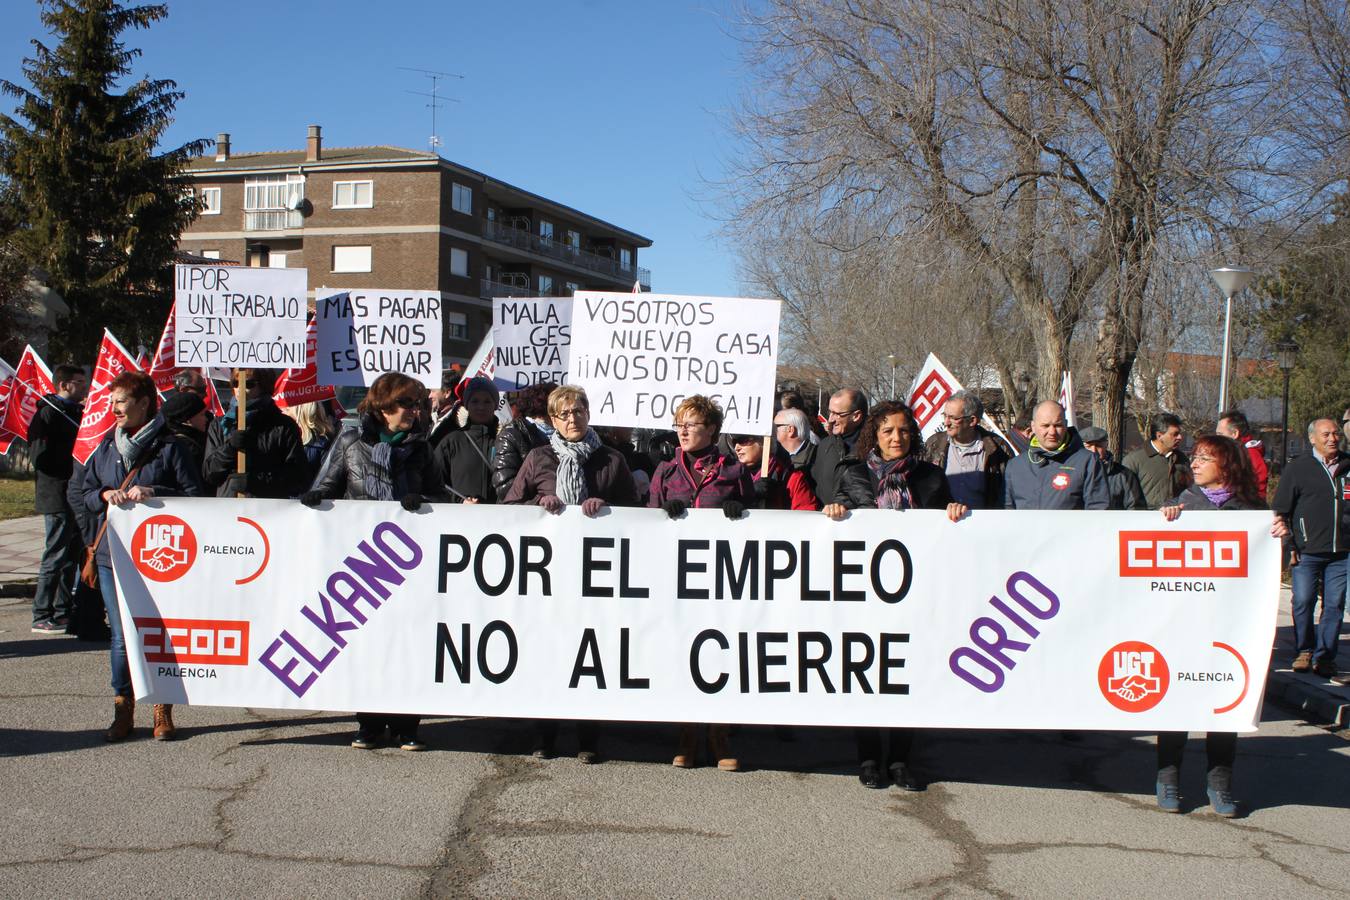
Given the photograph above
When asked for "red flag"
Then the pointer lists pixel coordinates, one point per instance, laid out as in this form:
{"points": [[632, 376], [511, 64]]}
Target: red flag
{"points": [[297, 386], [212, 398], [113, 360], [32, 381], [6, 382], [163, 365]]}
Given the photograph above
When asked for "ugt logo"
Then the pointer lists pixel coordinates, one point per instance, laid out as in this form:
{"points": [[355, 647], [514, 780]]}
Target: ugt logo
{"points": [[163, 548], [1133, 676]]}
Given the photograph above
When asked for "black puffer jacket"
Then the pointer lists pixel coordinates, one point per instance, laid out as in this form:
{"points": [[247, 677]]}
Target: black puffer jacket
{"points": [[51, 438], [514, 443], [343, 476], [463, 462], [276, 466], [858, 486]]}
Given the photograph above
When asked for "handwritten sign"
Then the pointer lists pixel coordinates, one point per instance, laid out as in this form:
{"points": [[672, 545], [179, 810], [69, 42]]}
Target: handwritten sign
{"points": [[363, 334], [531, 338], [237, 316], [640, 355]]}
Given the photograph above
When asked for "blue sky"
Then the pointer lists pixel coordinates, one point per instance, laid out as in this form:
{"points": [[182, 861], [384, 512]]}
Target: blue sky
{"points": [[613, 107]]}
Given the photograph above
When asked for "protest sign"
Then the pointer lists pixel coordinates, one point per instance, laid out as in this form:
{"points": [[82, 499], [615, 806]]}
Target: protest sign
{"points": [[363, 334], [239, 317], [113, 360], [1078, 620], [930, 391], [31, 382], [531, 338], [297, 386], [639, 355]]}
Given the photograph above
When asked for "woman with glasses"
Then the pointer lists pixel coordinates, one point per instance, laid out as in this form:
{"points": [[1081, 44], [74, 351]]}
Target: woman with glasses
{"points": [[887, 471], [575, 468], [386, 458], [463, 459], [1222, 480], [703, 478]]}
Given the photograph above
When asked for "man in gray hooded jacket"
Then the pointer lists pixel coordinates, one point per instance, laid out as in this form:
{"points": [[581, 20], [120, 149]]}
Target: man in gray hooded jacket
{"points": [[1057, 471]]}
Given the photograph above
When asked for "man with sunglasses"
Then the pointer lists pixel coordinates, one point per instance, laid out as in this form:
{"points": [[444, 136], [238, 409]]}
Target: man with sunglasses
{"points": [[274, 456], [847, 409], [971, 456]]}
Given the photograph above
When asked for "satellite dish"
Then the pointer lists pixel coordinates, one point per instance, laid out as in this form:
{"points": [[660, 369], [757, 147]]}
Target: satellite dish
{"points": [[298, 204]]}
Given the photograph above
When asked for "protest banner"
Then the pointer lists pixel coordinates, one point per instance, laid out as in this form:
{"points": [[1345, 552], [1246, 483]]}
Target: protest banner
{"points": [[481, 365], [531, 339], [30, 383], [930, 391], [7, 438], [1077, 620], [297, 386], [1066, 399], [639, 355], [113, 360], [239, 317], [363, 334]]}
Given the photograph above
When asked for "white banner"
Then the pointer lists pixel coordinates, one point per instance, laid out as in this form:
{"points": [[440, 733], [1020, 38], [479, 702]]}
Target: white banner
{"points": [[365, 333], [1083, 620], [531, 339], [239, 316], [481, 364], [639, 355]]}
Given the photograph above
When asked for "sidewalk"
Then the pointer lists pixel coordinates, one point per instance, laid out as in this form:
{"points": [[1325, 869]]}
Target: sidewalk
{"points": [[21, 543]]}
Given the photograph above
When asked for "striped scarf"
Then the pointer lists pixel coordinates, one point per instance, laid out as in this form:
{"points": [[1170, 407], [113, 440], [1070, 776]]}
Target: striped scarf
{"points": [[572, 455], [892, 480]]}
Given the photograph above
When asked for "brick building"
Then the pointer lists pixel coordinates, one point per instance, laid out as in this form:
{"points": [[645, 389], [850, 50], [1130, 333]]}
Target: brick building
{"points": [[388, 217]]}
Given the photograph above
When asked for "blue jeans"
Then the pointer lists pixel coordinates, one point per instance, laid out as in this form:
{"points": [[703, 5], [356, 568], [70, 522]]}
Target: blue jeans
{"points": [[56, 573], [117, 648], [1328, 569]]}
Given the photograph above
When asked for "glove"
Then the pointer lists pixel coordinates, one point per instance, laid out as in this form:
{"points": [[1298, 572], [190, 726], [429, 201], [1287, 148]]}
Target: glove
{"points": [[733, 509], [413, 502], [240, 440], [236, 484], [675, 508], [761, 488], [311, 498]]}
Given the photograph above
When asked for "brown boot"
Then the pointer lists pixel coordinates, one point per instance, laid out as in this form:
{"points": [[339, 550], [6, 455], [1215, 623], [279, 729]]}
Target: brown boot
{"points": [[124, 712], [1303, 662], [721, 748], [164, 730], [687, 755]]}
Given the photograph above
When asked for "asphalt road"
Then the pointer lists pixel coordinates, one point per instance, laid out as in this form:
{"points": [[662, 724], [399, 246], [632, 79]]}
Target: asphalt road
{"points": [[257, 803]]}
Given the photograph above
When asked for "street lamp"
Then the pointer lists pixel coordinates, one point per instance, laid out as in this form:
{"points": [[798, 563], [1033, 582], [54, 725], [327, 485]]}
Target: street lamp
{"points": [[818, 387], [1231, 280], [890, 358], [1286, 353]]}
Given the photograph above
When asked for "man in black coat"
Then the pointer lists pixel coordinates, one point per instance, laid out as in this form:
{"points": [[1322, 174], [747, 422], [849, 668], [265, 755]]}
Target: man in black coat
{"points": [[274, 457], [847, 410], [51, 439]]}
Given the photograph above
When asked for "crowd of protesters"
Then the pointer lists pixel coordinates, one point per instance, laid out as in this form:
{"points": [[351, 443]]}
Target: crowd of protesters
{"points": [[406, 444]]}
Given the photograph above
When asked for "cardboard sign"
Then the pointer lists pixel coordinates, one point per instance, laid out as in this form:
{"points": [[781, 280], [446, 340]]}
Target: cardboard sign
{"points": [[532, 338], [240, 317], [639, 355], [363, 334]]}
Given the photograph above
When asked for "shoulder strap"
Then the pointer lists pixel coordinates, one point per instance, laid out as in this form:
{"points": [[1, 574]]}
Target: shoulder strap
{"points": [[104, 527]]}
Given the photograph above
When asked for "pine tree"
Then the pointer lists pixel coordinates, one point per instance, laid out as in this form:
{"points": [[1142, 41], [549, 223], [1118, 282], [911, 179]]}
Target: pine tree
{"points": [[102, 209]]}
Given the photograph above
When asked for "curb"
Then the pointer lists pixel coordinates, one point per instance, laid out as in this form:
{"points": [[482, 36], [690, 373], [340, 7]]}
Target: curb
{"points": [[10, 589], [1315, 703]]}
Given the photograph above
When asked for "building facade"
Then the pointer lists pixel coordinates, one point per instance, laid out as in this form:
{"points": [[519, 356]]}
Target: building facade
{"points": [[388, 217]]}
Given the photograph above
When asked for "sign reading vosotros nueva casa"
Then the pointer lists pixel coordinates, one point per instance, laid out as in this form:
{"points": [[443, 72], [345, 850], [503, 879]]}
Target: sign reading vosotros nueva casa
{"points": [[363, 334], [639, 355], [1061, 620], [239, 316]]}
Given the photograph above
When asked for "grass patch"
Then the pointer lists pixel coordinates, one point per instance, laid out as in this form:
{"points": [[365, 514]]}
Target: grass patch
{"points": [[16, 497]]}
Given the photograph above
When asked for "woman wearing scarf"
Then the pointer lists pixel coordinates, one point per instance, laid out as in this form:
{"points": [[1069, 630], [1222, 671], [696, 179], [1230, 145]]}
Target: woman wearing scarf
{"points": [[386, 458], [1223, 480], [162, 468], [573, 468], [888, 471], [703, 478], [463, 459]]}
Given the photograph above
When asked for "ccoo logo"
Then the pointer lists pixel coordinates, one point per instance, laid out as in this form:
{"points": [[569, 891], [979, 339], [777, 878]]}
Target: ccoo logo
{"points": [[1209, 554], [163, 548], [1133, 676]]}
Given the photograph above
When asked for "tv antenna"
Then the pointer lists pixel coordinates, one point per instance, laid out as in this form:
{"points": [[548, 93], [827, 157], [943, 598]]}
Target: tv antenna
{"points": [[435, 95]]}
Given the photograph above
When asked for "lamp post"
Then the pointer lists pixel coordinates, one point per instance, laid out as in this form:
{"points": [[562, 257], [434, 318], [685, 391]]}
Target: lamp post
{"points": [[890, 358], [1231, 280], [818, 387], [1286, 353]]}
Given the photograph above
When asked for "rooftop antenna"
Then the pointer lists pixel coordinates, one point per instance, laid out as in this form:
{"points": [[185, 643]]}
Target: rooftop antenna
{"points": [[436, 98]]}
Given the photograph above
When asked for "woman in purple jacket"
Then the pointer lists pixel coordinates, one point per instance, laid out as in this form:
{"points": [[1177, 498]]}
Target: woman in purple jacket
{"points": [[703, 478]]}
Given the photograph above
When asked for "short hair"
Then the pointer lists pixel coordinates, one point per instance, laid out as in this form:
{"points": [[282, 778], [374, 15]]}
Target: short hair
{"points": [[138, 385], [867, 435], [65, 372], [856, 398], [973, 405], [700, 405], [1161, 422], [532, 402], [1238, 420], [568, 393], [797, 419], [791, 400], [190, 380], [1312, 426], [386, 389]]}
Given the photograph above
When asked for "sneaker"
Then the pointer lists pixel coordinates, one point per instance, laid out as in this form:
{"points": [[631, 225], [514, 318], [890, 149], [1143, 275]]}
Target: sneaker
{"points": [[1324, 667], [48, 628], [366, 739], [1303, 662], [1168, 789], [1219, 787], [411, 743]]}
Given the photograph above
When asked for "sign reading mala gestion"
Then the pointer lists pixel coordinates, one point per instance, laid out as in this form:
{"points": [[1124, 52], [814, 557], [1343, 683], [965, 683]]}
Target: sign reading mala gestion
{"points": [[1091, 620], [239, 316], [531, 339], [363, 334], [639, 355]]}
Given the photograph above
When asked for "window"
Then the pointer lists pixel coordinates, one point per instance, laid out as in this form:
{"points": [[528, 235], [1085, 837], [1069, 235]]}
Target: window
{"points": [[456, 326], [461, 199], [546, 230], [276, 260], [625, 259], [573, 239], [351, 259], [353, 194], [545, 285], [210, 254], [459, 262], [273, 192], [571, 288], [210, 201]]}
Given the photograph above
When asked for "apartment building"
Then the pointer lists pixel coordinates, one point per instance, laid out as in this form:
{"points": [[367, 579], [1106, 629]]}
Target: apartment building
{"points": [[389, 217]]}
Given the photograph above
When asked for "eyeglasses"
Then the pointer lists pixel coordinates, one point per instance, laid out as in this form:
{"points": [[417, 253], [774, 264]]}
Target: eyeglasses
{"points": [[408, 403], [572, 414], [783, 425], [842, 415], [949, 420], [1203, 459], [688, 426]]}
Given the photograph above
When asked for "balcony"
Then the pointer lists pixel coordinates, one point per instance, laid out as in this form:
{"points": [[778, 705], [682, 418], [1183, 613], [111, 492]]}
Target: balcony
{"points": [[501, 233], [272, 219], [487, 289]]}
